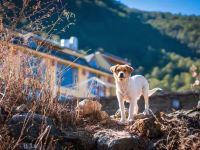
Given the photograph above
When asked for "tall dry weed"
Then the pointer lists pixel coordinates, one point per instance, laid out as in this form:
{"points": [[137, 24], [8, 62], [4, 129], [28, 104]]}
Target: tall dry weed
{"points": [[18, 83]]}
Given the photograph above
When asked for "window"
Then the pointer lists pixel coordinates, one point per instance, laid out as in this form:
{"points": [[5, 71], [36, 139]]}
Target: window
{"points": [[34, 95], [101, 90], [66, 76], [75, 75], [96, 87], [34, 64], [93, 63], [92, 84], [34, 67], [42, 69], [17, 40], [32, 44]]}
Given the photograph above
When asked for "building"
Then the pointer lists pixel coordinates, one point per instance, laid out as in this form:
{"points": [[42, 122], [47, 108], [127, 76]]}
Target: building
{"points": [[71, 72]]}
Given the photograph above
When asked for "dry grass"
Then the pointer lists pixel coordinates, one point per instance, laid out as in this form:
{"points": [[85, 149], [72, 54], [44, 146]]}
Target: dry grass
{"points": [[17, 83], [19, 87], [14, 92]]}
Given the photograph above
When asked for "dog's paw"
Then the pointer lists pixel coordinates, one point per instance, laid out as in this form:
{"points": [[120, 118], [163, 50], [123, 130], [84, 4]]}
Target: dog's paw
{"points": [[146, 112], [122, 122], [130, 121]]}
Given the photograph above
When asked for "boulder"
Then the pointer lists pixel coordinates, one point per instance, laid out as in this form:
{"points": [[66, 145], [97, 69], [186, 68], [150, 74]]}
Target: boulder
{"points": [[148, 127], [20, 109], [102, 115], [84, 139], [88, 107], [92, 109], [198, 105], [191, 117], [180, 130], [3, 115], [115, 140], [141, 116], [30, 126]]}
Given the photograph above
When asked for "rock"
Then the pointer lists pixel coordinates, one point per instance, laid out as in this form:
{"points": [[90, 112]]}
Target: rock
{"points": [[198, 105], [92, 109], [33, 125], [34, 118], [115, 140], [186, 113], [28, 146], [194, 114], [3, 115], [21, 108], [88, 107], [141, 116], [191, 117], [181, 130], [102, 115], [148, 127], [84, 139]]}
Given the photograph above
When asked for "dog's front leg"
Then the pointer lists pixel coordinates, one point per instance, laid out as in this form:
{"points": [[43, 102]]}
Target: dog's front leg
{"points": [[131, 108], [122, 108], [135, 111]]}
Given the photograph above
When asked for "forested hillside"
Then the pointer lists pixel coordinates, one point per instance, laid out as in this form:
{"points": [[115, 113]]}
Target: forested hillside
{"points": [[186, 29], [115, 28]]}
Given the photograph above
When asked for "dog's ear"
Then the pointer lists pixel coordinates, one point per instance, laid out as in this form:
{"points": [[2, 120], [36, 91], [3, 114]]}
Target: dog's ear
{"points": [[130, 69], [113, 68]]}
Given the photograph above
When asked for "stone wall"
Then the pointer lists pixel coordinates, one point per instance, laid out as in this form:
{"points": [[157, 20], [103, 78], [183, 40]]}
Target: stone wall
{"points": [[159, 102]]}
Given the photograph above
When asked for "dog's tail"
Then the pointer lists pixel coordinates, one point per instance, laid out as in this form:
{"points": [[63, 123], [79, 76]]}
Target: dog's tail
{"points": [[151, 92]]}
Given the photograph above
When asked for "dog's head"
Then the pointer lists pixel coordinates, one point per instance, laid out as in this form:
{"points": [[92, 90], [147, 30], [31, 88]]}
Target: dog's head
{"points": [[121, 72]]}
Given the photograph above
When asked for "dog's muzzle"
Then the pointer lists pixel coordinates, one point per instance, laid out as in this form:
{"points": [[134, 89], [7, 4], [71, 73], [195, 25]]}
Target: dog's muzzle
{"points": [[121, 75]]}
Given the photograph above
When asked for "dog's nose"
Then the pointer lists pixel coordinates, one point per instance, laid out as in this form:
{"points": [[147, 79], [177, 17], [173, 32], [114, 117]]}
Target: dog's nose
{"points": [[121, 75]]}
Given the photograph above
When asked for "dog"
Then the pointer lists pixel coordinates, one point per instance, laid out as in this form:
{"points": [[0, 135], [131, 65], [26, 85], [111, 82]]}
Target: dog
{"points": [[130, 89]]}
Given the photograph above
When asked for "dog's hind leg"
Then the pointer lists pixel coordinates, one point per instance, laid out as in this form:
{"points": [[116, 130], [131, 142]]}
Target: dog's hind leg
{"points": [[146, 99]]}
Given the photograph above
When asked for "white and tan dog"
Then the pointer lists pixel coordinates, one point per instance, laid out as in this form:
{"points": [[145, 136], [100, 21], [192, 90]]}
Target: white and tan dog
{"points": [[130, 89]]}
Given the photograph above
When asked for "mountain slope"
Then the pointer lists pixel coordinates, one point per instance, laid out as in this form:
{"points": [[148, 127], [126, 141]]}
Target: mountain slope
{"points": [[186, 29], [113, 27]]}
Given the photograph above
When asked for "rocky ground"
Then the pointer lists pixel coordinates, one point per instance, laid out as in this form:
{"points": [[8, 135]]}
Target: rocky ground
{"points": [[96, 130]]}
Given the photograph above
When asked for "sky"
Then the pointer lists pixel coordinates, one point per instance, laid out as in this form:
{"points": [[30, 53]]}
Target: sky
{"points": [[186, 7]]}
